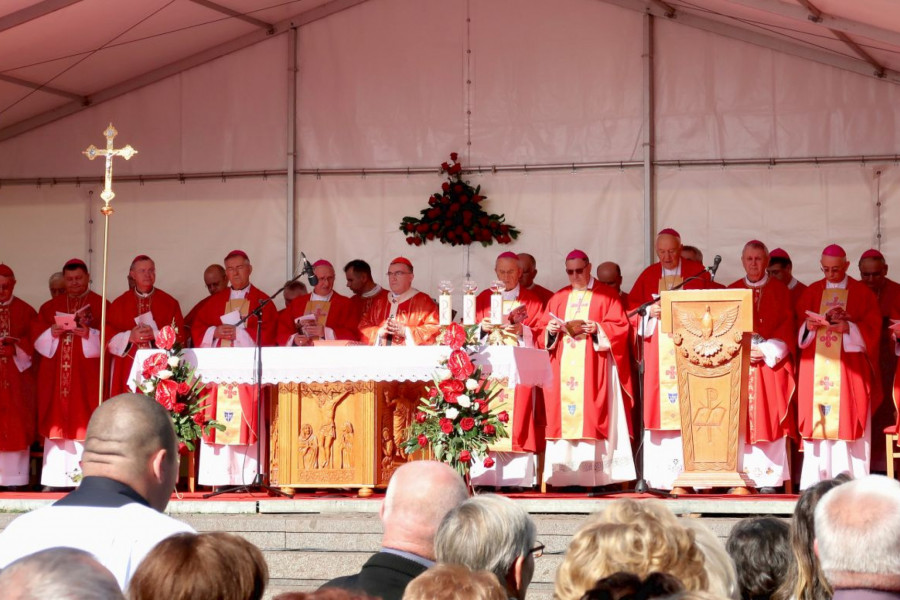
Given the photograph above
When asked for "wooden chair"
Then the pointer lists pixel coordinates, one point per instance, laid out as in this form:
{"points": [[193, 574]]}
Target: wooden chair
{"points": [[892, 449]]}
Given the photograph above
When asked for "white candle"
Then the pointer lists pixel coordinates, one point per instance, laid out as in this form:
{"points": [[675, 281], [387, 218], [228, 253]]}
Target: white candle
{"points": [[496, 309], [445, 305], [469, 309]]}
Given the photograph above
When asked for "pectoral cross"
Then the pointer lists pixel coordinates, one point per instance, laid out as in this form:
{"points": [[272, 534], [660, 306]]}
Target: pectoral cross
{"points": [[93, 152]]}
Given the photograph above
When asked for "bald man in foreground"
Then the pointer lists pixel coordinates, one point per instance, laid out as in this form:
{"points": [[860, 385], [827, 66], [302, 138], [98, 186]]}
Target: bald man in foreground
{"points": [[418, 496], [130, 464]]}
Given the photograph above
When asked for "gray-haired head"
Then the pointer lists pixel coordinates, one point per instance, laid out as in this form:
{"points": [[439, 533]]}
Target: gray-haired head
{"points": [[858, 534], [486, 533], [61, 574]]}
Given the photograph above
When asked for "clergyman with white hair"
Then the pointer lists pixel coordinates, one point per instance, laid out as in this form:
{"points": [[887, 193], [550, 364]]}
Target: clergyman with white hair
{"points": [[61, 574], [858, 538], [491, 533]]}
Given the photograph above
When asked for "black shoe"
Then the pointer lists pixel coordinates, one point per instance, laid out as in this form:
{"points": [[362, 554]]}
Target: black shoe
{"points": [[767, 490]]}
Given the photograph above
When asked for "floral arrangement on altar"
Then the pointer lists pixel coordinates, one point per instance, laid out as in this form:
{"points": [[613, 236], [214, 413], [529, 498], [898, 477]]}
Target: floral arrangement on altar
{"points": [[455, 215], [455, 418], [171, 380]]}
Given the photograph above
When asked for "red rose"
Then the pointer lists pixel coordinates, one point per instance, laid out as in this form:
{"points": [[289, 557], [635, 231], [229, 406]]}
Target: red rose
{"points": [[477, 198], [445, 166], [199, 418], [455, 336], [484, 221], [430, 236], [422, 227], [179, 407], [504, 229], [418, 242], [503, 417], [434, 212], [451, 235], [182, 448], [466, 238], [165, 393], [420, 417], [435, 226], [183, 388], [410, 240], [464, 456], [488, 462], [467, 423], [489, 429], [432, 201], [458, 188], [460, 365], [423, 439], [432, 392], [451, 388], [154, 364], [445, 186], [453, 156], [446, 426], [165, 338], [455, 169]]}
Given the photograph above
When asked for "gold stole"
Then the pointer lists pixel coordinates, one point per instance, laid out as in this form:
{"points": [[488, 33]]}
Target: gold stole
{"points": [[320, 309], [242, 305], [499, 337], [230, 413], [506, 399], [669, 412], [826, 409], [571, 368]]}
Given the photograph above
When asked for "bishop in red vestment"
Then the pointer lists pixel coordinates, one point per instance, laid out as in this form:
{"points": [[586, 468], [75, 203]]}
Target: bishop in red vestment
{"points": [[17, 406], [770, 418], [215, 281], [529, 272], [364, 288], [229, 457], [135, 317], [838, 383], [782, 268], [322, 314], [588, 408], [406, 316], [69, 373]]}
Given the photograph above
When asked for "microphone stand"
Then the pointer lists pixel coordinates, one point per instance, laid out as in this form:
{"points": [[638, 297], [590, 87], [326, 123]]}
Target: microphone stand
{"points": [[640, 484], [261, 481]]}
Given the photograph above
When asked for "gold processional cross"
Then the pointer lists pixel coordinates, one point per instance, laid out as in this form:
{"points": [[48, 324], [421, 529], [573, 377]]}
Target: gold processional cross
{"points": [[93, 152]]}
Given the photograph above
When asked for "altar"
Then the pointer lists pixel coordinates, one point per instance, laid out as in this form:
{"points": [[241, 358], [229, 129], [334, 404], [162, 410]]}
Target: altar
{"points": [[338, 415]]}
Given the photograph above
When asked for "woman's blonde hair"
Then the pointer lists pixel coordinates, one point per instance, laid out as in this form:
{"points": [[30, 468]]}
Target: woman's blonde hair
{"points": [[631, 537], [454, 582]]}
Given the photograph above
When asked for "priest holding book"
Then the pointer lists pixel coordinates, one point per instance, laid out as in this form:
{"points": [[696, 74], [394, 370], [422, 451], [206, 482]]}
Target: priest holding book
{"points": [[405, 316], [323, 314], [588, 429]]}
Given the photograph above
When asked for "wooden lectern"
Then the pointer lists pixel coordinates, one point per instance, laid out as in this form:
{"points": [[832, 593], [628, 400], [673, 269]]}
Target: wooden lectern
{"points": [[711, 330]]}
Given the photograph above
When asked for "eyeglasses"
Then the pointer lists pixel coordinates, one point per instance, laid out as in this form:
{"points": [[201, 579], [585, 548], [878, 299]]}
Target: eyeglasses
{"points": [[537, 551], [827, 270], [576, 271], [398, 273]]}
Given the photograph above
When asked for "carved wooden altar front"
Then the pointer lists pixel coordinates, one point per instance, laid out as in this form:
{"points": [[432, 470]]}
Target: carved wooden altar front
{"points": [[340, 434], [711, 330]]}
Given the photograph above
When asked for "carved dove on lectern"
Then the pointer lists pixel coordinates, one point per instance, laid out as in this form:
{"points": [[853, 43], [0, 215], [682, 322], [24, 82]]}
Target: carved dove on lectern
{"points": [[708, 330]]}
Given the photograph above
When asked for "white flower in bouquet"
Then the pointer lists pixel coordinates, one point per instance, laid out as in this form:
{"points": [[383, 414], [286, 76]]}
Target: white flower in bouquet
{"points": [[148, 387], [174, 361], [464, 401], [471, 385], [452, 413], [442, 374], [164, 374]]}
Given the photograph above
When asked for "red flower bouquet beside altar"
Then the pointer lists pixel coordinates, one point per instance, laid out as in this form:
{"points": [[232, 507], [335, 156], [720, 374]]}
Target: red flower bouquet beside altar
{"points": [[455, 418], [455, 215], [172, 382]]}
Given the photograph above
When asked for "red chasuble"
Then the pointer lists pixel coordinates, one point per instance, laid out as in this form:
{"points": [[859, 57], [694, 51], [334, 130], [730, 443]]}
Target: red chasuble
{"points": [[796, 292], [858, 375], [213, 308], [68, 383], [362, 304], [533, 305], [120, 318], [769, 414], [189, 318], [18, 413], [341, 318], [647, 284], [541, 292], [606, 310], [419, 313], [886, 413]]}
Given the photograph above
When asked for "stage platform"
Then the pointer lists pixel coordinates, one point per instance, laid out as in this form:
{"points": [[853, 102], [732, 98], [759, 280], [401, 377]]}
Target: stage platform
{"points": [[313, 537]]}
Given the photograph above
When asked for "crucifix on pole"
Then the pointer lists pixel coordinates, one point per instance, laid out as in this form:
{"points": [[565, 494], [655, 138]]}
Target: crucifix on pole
{"points": [[107, 195]]}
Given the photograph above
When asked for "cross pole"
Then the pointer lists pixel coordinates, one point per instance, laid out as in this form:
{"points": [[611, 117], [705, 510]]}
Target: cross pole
{"points": [[107, 195]]}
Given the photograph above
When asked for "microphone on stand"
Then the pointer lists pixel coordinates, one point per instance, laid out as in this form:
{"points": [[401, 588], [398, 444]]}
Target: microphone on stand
{"points": [[715, 267], [308, 270]]}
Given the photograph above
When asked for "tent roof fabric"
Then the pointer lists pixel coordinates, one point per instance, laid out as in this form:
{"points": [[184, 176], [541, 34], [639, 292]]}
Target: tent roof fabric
{"points": [[60, 56]]}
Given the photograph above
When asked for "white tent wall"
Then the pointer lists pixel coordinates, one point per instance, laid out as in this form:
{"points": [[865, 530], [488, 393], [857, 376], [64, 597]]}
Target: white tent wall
{"points": [[391, 83]]}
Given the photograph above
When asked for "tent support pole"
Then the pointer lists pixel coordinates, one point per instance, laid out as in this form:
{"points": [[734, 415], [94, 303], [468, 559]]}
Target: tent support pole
{"points": [[649, 141], [290, 262]]}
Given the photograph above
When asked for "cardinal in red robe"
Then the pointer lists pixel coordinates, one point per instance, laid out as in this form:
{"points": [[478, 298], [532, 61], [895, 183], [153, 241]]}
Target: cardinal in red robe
{"points": [[322, 314], [17, 402], [135, 317], [406, 316]]}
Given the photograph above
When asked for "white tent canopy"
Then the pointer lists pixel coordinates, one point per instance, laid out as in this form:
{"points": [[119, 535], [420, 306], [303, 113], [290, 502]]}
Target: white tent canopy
{"points": [[319, 125]]}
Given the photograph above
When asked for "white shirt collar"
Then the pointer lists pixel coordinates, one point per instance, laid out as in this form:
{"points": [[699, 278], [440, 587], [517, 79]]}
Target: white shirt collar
{"points": [[512, 294], [840, 285], [793, 283], [371, 293], [671, 272], [760, 283], [239, 294], [317, 298]]}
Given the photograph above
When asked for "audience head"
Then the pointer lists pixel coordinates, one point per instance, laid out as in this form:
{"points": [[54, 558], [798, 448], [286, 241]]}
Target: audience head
{"points": [[578, 269], [324, 272], [805, 580], [61, 574], [205, 566], [755, 259], [215, 279], [359, 276], [873, 269], [324, 594], [454, 582], [529, 269], [238, 269], [293, 289], [609, 273], [780, 266], [419, 495], [130, 438], [507, 269], [490, 533], [834, 263], [719, 567], [57, 284], [143, 273], [632, 537], [7, 283], [692, 253], [628, 586], [76, 276], [857, 529], [761, 550], [668, 248], [400, 275]]}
